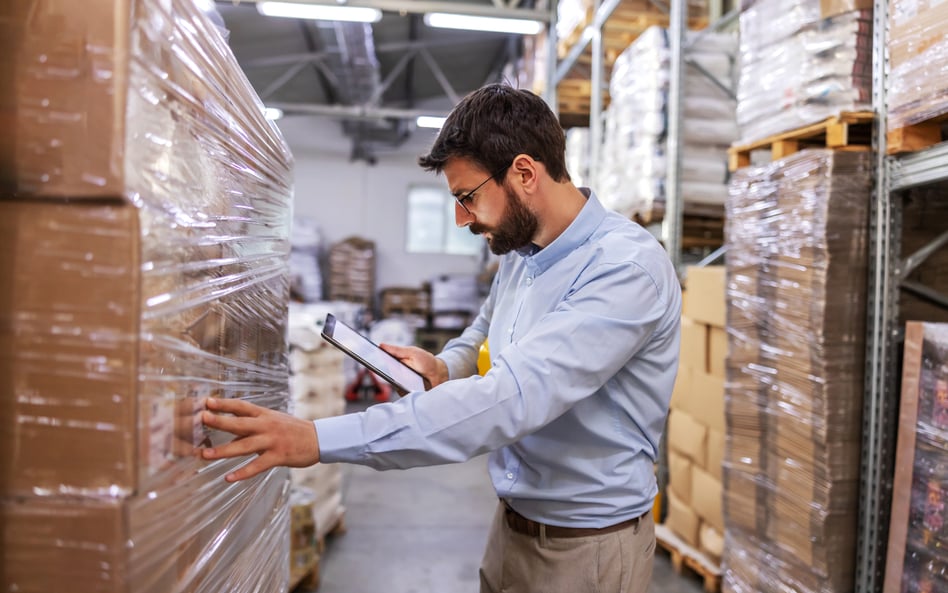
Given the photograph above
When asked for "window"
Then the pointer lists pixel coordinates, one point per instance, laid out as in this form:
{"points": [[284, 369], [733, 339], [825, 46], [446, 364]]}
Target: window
{"points": [[431, 227]]}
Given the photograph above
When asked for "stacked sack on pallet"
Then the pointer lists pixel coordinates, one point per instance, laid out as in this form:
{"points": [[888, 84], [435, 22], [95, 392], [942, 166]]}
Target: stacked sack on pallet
{"points": [[144, 244], [796, 278], [812, 62], [696, 422], [918, 535], [918, 55], [317, 389], [631, 177]]}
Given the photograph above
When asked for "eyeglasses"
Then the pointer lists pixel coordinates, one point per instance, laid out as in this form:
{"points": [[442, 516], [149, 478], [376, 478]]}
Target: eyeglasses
{"points": [[469, 196]]}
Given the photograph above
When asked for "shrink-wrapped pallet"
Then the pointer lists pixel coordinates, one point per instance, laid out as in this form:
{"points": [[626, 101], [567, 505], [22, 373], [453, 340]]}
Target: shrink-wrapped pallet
{"points": [[797, 270], [144, 238]]}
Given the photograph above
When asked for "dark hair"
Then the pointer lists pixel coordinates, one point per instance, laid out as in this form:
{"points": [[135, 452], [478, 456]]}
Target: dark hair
{"points": [[495, 123]]}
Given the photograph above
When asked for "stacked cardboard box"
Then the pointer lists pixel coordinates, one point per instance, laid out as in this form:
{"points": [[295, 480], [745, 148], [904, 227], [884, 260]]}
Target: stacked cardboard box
{"points": [[304, 556], [696, 422], [135, 286], [352, 271], [918, 533], [796, 275], [918, 54], [317, 390]]}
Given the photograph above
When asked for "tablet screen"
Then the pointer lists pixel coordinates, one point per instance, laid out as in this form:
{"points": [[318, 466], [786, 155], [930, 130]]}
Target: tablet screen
{"points": [[369, 354]]}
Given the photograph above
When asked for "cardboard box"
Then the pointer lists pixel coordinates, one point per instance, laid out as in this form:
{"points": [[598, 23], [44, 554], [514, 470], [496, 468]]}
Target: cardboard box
{"points": [[716, 445], [679, 476], [830, 8], [687, 436], [717, 351], [706, 498], [683, 389], [705, 295], [711, 542], [682, 520], [694, 345], [708, 397]]}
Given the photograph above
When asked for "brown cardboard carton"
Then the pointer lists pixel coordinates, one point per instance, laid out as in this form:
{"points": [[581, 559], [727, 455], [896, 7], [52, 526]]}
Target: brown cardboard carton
{"points": [[706, 498], [709, 399], [711, 542], [679, 476], [716, 444], [704, 297], [717, 351], [683, 389], [830, 8], [687, 436], [682, 520], [694, 345]]}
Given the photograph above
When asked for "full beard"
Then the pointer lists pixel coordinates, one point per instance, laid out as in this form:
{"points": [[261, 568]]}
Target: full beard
{"points": [[517, 227]]}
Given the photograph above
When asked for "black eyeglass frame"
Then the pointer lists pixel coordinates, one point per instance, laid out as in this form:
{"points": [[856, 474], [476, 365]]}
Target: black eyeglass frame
{"points": [[470, 195]]}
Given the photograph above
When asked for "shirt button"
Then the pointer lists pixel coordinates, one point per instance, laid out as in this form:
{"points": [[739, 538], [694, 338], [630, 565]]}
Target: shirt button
{"points": [[529, 281], [509, 476]]}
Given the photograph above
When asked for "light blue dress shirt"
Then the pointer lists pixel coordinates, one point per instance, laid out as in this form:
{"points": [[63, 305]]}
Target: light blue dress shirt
{"points": [[584, 341]]}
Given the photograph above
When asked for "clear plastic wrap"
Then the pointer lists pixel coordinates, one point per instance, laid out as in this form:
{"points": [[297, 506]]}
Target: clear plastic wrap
{"points": [[917, 560], [800, 68], [796, 273], [144, 239], [918, 62], [631, 177]]}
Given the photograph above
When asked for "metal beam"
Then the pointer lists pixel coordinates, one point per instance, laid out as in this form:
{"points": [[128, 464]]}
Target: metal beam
{"points": [[440, 77], [392, 75], [602, 14], [673, 222], [714, 79], [722, 23], [920, 168], [423, 6], [916, 259], [927, 293], [283, 79], [353, 111], [394, 47]]}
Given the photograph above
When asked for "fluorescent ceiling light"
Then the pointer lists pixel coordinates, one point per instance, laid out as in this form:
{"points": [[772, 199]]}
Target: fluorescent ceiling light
{"points": [[272, 113], [430, 121], [320, 12], [483, 23]]}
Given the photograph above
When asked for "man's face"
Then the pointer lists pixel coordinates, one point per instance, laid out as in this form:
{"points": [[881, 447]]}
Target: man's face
{"points": [[516, 228]]}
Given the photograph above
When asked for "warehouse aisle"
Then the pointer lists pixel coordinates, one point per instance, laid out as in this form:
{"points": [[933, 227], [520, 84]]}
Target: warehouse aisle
{"points": [[423, 531]]}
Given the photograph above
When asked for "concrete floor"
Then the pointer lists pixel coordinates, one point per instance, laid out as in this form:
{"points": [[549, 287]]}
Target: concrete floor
{"points": [[423, 531]]}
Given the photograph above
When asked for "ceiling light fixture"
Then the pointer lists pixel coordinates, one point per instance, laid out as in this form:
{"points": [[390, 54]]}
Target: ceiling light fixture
{"points": [[320, 12], [483, 23], [430, 121], [272, 113]]}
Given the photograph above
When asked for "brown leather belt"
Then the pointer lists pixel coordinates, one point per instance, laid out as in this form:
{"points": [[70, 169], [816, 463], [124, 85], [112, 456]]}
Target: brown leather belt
{"points": [[521, 524]]}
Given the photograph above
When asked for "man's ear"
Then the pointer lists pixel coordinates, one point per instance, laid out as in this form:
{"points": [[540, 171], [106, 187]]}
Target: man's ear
{"points": [[526, 172]]}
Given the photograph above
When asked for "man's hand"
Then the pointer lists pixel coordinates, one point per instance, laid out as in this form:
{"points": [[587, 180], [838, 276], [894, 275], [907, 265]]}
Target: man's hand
{"points": [[276, 438], [434, 371]]}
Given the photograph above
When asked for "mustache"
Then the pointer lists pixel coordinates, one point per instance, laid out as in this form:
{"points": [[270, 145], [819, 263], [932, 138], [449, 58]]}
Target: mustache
{"points": [[477, 229]]}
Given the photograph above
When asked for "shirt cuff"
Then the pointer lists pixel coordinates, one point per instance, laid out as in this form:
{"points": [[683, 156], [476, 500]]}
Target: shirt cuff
{"points": [[340, 438], [455, 361]]}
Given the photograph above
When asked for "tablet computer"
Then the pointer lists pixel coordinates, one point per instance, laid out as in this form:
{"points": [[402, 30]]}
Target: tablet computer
{"points": [[369, 354]]}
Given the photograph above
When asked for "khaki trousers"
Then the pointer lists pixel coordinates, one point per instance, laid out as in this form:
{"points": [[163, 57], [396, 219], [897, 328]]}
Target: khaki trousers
{"points": [[617, 562]]}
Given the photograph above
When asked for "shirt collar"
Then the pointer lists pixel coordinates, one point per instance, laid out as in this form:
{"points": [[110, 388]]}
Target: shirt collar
{"points": [[578, 231]]}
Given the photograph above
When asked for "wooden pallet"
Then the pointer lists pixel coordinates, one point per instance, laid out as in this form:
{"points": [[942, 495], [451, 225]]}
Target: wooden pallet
{"points": [[918, 136], [846, 131], [339, 528], [684, 556], [307, 579]]}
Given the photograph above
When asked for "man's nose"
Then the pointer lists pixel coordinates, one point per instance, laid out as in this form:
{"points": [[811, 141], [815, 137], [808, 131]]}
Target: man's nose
{"points": [[462, 217]]}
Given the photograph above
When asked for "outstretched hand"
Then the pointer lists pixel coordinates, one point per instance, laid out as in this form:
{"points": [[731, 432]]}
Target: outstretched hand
{"points": [[276, 438], [432, 369]]}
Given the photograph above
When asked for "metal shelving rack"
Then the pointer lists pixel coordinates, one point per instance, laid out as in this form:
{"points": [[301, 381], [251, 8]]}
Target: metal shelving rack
{"points": [[887, 273]]}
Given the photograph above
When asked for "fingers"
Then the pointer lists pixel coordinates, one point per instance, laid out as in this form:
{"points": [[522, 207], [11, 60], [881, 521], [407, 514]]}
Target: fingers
{"points": [[236, 448], [398, 352], [257, 466], [236, 425], [238, 407]]}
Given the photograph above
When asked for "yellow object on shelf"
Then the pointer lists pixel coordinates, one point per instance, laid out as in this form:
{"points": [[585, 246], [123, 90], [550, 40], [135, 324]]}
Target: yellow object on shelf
{"points": [[483, 359]]}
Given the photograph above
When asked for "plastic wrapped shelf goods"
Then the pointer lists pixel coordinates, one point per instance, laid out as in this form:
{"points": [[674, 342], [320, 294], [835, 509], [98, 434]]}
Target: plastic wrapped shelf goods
{"points": [[796, 302], [813, 62], [144, 245]]}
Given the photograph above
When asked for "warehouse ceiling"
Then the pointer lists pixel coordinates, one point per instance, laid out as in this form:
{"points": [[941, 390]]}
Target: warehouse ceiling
{"points": [[375, 79]]}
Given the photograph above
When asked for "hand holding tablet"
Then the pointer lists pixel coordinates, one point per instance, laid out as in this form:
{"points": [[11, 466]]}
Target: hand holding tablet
{"points": [[369, 354]]}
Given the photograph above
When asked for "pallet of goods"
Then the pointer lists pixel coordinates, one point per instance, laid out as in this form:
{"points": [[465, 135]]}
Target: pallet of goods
{"points": [[918, 76], [136, 286]]}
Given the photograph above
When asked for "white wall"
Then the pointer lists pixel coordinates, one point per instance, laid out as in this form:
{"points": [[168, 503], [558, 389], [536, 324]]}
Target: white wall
{"points": [[354, 198]]}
